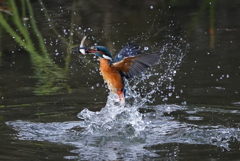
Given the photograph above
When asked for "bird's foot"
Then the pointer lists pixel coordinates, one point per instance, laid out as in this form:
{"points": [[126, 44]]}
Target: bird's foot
{"points": [[121, 98]]}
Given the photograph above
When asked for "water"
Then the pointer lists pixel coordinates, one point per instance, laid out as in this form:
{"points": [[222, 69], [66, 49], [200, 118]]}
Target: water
{"points": [[115, 134], [54, 104], [132, 130]]}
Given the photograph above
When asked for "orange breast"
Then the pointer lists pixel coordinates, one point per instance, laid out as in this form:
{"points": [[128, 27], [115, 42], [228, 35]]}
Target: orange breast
{"points": [[111, 76]]}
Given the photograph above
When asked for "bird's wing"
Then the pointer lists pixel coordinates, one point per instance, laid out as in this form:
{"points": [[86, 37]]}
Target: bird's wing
{"points": [[128, 51], [133, 66]]}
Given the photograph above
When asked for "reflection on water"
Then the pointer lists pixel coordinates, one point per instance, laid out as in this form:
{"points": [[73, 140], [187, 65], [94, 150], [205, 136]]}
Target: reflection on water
{"points": [[129, 138]]}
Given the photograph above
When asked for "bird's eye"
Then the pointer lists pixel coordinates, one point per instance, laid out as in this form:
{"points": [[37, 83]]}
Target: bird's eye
{"points": [[96, 49]]}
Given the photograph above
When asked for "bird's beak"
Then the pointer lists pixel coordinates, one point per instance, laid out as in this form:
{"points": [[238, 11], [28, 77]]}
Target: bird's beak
{"points": [[90, 50]]}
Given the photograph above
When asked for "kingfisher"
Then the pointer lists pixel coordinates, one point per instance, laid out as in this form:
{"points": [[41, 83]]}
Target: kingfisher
{"points": [[128, 63]]}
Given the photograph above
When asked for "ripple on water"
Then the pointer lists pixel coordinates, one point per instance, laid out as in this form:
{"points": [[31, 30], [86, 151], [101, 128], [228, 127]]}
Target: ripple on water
{"points": [[124, 133]]}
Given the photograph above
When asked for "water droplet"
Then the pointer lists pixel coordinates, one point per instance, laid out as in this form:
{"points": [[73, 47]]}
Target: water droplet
{"points": [[151, 7], [164, 99], [145, 48], [152, 83], [184, 103]]}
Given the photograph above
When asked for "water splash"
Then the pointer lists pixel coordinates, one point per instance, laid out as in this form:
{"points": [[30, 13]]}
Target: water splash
{"points": [[115, 119], [162, 131]]}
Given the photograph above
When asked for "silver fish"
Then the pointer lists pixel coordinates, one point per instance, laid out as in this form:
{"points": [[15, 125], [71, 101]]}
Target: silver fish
{"points": [[82, 50]]}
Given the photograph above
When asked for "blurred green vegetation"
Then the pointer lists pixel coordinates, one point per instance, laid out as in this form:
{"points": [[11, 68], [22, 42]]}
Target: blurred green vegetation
{"points": [[0, 45], [51, 78]]}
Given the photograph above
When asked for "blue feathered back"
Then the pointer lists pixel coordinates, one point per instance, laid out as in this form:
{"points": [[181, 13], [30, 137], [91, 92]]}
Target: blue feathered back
{"points": [[128, 51]]}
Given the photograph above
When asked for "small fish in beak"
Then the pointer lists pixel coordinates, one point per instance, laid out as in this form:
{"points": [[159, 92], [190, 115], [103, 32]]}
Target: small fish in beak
{"points": [[82, 49]]}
